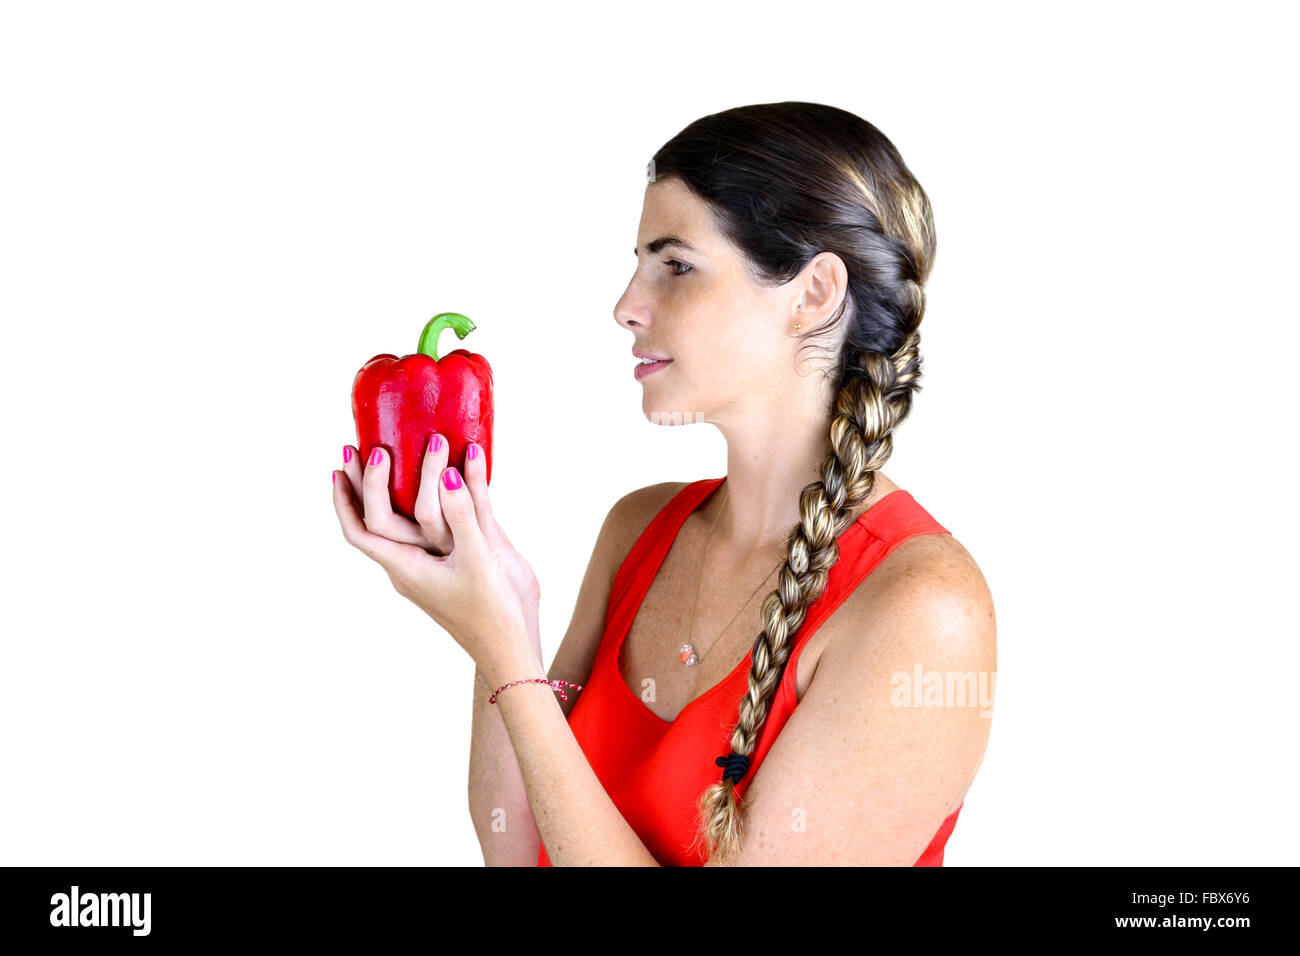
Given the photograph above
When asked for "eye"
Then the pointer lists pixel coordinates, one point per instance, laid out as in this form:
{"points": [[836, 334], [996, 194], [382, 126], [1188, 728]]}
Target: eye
{"points": [[673, 262]]}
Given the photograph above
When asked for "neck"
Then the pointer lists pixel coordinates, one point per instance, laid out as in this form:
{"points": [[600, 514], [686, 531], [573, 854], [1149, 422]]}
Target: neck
{"points": [[774, 451]]}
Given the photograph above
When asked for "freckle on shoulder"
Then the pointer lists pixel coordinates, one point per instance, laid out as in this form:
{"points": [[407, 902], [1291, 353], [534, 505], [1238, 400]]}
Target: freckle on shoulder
{"points": [[920, 571], [930, 560]]}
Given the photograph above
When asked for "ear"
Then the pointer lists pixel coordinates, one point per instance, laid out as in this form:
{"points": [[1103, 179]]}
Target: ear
{"points": [[822, 286]]}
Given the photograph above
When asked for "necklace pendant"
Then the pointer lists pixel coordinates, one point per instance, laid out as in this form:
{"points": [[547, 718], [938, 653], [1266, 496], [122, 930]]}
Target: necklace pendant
{"points": [[687, 654]]}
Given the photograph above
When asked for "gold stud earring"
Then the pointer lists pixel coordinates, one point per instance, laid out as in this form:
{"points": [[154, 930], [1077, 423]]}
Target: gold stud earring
{"points": [[798, 325]]}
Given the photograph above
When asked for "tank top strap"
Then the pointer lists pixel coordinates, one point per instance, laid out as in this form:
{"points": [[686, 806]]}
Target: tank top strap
{"points": [[637, 571], [898, 516]]}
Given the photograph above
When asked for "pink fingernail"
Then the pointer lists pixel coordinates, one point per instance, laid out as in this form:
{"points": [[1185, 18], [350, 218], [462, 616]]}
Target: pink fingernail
{"points": [[376, 457], [473, 450], [451, 479], [334, 477], [435, 442], [347, 454]]}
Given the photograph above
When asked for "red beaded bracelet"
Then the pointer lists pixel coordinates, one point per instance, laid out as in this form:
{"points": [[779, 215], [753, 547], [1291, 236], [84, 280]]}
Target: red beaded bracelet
{"points": [[536, 680]]}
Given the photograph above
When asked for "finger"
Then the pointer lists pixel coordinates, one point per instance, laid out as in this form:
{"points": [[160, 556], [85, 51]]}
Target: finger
{"points": [[476, 481], [352, 468], [395, 556], [379, 515], [374, 489], [428, 505], [458, 510]]}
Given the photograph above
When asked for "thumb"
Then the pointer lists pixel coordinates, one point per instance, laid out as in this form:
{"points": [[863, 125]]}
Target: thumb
{"points": [[458, 510]]}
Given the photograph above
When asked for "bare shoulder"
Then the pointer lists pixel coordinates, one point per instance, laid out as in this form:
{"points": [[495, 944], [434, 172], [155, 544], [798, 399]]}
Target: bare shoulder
{"points": [[632, 514], [930, 588], [933, 562]]}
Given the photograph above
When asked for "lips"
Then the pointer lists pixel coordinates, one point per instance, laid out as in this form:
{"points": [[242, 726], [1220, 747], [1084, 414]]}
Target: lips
{"points": [[646, 355], [642, 369]]}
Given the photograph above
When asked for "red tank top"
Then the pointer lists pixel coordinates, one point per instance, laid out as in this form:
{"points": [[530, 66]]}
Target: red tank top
{"points": [[655, 770]]}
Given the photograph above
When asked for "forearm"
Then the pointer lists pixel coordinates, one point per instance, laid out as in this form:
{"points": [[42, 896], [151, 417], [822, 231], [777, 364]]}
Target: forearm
{"points": [[570, 809], [498, 802]]}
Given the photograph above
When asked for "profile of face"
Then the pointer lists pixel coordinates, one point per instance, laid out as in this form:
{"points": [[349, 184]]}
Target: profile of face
{"points": [[729, 341]]}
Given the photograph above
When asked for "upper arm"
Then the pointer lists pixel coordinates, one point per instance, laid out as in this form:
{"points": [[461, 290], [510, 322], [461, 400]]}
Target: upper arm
{"points": [[623, 524], [872, 761]]}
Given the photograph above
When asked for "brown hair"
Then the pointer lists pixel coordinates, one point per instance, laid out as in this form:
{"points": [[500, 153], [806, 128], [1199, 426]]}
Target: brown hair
{"points": [[785, 181]]}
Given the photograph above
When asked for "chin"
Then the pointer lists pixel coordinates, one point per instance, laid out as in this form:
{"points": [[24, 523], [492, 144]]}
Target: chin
{"points": [[659, 415], [676, 405]]}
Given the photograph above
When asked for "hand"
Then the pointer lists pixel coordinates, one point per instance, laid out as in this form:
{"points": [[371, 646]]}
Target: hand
{"points": [[455, 562], [432, 532]]}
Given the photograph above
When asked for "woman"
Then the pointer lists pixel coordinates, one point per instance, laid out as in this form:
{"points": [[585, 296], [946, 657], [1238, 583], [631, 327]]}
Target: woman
{"points": [[781, 256]]}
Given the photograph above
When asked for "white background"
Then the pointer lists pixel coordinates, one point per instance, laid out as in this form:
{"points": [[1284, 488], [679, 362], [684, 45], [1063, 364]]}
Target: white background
{"points": [[214, 213]]}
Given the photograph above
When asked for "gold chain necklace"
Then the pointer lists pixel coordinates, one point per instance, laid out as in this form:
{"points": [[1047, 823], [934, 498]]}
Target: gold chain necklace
{"points": [[686, 653]]}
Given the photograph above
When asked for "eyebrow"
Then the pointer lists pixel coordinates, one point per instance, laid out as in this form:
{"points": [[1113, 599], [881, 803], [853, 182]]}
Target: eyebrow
{"points": [[663, 242]]}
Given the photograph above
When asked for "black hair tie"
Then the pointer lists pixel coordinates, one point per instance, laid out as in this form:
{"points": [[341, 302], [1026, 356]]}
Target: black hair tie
{"points": [[736, 765]]}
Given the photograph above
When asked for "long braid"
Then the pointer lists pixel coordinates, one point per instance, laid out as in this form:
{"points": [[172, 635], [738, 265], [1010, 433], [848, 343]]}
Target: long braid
{"points": [[874, 398]]}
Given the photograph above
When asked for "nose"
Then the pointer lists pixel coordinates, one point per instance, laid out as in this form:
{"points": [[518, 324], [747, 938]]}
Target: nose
{"points": [[631, 312]]}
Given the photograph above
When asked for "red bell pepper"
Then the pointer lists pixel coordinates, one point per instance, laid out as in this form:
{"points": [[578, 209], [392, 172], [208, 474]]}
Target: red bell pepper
{"points": [[400, 403]]}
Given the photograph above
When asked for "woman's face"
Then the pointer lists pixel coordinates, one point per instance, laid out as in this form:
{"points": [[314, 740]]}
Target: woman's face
{"points": [[729, 341]]}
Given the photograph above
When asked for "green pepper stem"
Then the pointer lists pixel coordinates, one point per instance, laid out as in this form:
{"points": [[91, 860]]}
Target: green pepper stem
{"points": [[458, 323]]}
